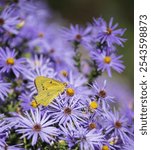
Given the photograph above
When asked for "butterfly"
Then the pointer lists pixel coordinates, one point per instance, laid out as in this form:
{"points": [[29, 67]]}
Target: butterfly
{"points": [[48, 89]]}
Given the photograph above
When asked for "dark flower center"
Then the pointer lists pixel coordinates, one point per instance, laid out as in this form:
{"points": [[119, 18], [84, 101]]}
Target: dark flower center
{"points": [[109, 31], [2, 21], [92, 126], [102, 93], [41, 35], [37, 127], [67, 111], [78, 37], [52, 50], [83, 138], [118, 124]]}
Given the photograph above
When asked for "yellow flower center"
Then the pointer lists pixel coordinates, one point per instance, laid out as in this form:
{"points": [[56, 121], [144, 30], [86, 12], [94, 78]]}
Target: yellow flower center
{"points": [[105, 147], [70, 91], [34, 104], [94, 105], [64, 73], [107, 59], [10, 61], [109, 31]]}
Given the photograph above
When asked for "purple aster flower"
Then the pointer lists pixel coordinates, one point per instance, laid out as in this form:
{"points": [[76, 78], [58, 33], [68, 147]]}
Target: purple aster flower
{"points": [[63, 71], [28, 31], [54, 47], [102, 94], [10, 63], [84, 138], [67, 110], [9, 21], [37, 124], [62, 67], [125, 97], [75, 84], [42, 37], [38, 33], [77, 34], [61, 52], [4, 89], [38, 62], [118, 126], [89, 139], [92, 122], [108, 62], [108, 32], [45, 39]]}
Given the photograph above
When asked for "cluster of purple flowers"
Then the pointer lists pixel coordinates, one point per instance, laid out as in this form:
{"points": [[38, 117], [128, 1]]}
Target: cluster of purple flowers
{"points": [[105, 54], [101, 40], [85, 116]]}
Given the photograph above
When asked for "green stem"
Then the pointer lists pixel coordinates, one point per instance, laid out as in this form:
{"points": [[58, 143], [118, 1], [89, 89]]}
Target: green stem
{"points": [[77, 57], [94, 73], [25, 146]]}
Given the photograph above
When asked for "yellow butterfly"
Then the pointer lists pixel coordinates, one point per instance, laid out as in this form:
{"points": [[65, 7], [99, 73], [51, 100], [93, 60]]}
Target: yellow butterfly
{"points": [[48, 89]]}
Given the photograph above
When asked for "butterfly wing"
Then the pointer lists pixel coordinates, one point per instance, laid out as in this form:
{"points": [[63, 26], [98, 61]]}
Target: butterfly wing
{"points": [[46, 97], [48, 90], [39, 82]]}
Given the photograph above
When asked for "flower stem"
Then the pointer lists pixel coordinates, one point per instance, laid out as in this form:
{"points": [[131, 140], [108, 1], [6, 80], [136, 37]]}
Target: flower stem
{"points": [[77, 57], [94, 73]]}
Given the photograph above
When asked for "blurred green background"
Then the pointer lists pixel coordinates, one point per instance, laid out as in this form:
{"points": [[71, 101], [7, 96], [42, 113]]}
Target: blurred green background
{"points": [[82, 11]]}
